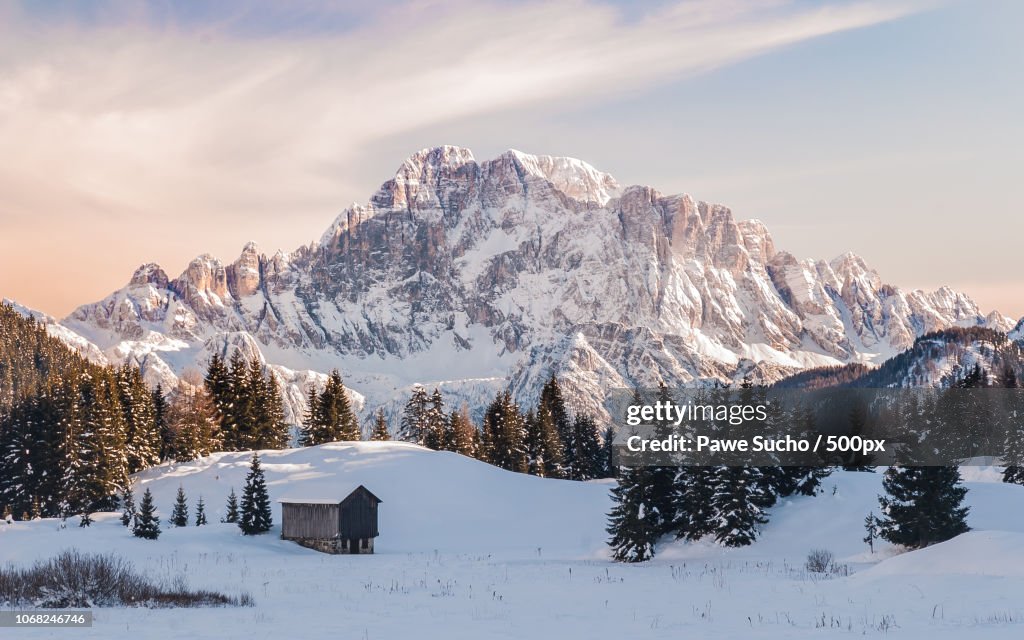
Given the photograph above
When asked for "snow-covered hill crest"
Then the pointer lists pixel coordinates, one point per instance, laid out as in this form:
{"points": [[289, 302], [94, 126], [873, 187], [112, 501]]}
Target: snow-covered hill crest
{"points": [[458, 271]]}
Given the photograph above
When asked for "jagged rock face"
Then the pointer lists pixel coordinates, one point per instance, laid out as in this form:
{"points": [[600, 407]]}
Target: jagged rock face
{"points": [[457, 272]]}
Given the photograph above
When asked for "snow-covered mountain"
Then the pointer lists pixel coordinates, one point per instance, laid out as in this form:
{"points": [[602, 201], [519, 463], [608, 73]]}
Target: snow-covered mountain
{"points": [[476, 275], [940, 359]]}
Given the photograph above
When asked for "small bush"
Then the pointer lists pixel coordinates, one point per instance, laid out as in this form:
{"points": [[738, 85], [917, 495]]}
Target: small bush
{"points": [[819, 561], [74, 580]]}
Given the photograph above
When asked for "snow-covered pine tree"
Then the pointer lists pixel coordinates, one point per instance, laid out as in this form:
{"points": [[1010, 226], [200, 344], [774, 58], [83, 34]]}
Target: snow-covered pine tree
{"points": [[543, 444], [142, 438], [633, 526], [737, 505], [435, 423], [85, 520], [255, 516], [128, 506], [231, 509], [236, 405], [506, 435], [695, 493], [200, 512], [147, 524], [922, 506], [608, 453], [179, 516], [661, 498], [414, 418], [589, 462], [330, 417], [380, 432], [266, 409], [218, 384], [103, 468]]}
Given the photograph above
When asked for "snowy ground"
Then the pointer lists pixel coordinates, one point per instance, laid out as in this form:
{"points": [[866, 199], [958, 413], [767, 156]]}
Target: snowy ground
{"points": [[469, 551]]}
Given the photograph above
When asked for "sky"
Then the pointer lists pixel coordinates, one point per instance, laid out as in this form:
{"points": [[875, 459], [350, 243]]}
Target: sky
{"points": [[154, 132]]}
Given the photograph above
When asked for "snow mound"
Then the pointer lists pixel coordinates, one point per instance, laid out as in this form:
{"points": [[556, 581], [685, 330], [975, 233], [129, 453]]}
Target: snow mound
{"points": [[432, 500], [986, 553]]}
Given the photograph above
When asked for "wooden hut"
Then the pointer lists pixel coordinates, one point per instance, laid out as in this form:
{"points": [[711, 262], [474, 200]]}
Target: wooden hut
{"points": [[331, 525]]}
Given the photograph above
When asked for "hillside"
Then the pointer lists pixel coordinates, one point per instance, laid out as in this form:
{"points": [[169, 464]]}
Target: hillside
{"points": [[936, 359], [466, 546]]}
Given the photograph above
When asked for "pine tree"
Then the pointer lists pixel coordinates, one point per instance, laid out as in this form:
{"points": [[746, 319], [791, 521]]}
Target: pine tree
{"points": [[857, 460], [86, 520], [551, 452], [255, 516], [505, 430], [200, 512], [589, 462], [736, 504], [633, 526], [237, 406], [414, 417], [266, 410], [1013, 446], [192, 420], [871, 529], [232, 508], [160, 408], [464, 432], [179, 516], [147, 525], [610, 470], [553, 402], [435, 423], [218, 384], [380, 431], [330, 417], [922, 506], [662, 498], [128, 503]]}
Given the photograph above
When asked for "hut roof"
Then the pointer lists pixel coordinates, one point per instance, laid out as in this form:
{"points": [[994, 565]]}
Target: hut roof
{"points": [[322, 500]]}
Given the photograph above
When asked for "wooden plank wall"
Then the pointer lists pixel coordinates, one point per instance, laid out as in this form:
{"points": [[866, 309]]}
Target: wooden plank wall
{"points": [[359, 517], [309, 520]]}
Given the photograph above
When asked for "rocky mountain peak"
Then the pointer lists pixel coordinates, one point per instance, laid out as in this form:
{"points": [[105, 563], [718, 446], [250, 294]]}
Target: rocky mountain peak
{"points": [[245, 275], [574, 178], [204, 283], [150, 273]]}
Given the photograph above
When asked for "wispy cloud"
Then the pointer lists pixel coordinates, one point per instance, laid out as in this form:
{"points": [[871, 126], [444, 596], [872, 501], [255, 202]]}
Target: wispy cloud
{"points": [[105, 116]]}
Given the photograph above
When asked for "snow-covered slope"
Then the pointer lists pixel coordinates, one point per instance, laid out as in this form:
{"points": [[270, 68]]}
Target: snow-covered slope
{"points": [[434, 500], [471, 551], [477, 275]]}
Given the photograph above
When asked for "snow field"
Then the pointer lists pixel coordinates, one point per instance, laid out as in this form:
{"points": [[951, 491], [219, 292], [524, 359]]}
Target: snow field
{"points": [[470, 551]]}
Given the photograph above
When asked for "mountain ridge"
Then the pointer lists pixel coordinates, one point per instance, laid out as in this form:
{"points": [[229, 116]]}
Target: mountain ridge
{"points": [[476, 275]]}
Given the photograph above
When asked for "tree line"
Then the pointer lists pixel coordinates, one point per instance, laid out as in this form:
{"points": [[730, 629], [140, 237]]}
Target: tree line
{"points": [[72, 431], [923, 499], [547, 440], [726, 501]]}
